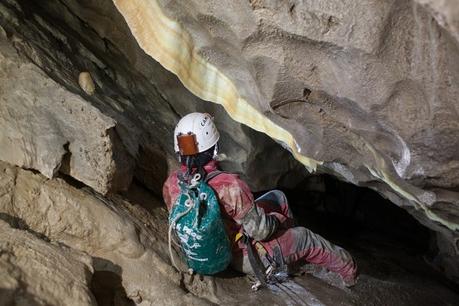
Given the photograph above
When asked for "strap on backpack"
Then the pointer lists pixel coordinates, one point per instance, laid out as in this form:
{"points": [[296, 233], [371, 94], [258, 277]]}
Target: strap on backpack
{"points": [[212, 175]]}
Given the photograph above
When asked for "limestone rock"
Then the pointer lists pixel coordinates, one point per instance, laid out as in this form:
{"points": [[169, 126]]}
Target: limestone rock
{"points": [[445, 12], [35, 272], [47, 128], [363, 90], [143, 98], [105, 229], [86, 83]]}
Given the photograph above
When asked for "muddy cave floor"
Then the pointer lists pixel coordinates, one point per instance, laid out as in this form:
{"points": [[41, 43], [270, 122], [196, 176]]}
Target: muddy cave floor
{"points": [[389, 246]]}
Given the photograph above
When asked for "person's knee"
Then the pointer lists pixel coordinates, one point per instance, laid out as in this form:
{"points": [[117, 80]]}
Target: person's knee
{"points": [[300, 236], [281, 197], [300, 231]]}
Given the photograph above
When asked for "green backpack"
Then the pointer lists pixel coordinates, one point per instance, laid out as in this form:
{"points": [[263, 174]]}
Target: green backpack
{"points": [[196, 219]]}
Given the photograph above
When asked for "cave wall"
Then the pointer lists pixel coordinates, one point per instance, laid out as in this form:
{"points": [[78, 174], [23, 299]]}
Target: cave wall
{"points": [[376, 83], [365, 91], [139, 100], [60, 234], [105, 131], [30, 275]]}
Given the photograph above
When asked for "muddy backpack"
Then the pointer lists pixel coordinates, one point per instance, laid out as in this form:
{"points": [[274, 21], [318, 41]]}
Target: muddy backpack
{"points": [[195, 218]]}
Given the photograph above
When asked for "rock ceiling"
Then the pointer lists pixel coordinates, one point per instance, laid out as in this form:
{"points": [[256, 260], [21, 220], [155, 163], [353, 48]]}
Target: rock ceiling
{"points": [[363, 90]]}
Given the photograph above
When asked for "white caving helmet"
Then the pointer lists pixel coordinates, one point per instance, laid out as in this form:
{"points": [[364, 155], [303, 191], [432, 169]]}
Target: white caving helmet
{"points": [[195, 133]]}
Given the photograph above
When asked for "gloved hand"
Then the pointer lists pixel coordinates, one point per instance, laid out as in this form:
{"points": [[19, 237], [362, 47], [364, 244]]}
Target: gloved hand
{"points": [[258, 225]]}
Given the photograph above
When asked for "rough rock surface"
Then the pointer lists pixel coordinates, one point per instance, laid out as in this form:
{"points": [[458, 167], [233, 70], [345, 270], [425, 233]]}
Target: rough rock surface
{"points": [[143, 100], [35, 272], [106, 230], [128, 247], [364, 90], [47, 128], [445, 12]]}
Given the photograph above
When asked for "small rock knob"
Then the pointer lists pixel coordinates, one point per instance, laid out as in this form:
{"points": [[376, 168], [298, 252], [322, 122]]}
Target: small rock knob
{"points": [[86, 83]]}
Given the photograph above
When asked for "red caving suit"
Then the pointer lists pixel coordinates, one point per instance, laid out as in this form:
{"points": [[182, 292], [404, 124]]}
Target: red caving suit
{"points": [[239, 211]]}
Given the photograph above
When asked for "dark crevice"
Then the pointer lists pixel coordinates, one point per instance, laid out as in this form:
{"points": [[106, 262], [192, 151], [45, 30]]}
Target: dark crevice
{"points": [[139, 194], [72, 181], [108, 290], [332, 206], [18, 223], [107, 284], [65, 163], [306, 93], [291, 10]]}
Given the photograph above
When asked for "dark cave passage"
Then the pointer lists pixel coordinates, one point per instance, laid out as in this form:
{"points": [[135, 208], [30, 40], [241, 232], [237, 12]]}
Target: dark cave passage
{"points": [[390, 85], [347, 212], [392, 249]]}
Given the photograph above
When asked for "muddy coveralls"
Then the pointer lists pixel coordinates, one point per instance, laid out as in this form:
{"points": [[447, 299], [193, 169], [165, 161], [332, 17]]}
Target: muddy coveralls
{"points": [[269, 221]]}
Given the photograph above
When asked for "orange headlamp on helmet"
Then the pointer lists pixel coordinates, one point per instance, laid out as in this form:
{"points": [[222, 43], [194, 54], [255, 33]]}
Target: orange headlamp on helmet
{"points": [[195, 133], [187, 144]]}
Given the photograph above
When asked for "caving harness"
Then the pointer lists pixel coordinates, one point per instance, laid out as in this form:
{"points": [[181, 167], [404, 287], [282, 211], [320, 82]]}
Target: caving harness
{"points": [[275, 276], [272, 271], [195, 219]]}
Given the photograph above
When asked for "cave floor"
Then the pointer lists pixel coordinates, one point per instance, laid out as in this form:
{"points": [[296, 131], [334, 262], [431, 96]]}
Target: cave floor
{"points": [[392, 271], [389, 275]]}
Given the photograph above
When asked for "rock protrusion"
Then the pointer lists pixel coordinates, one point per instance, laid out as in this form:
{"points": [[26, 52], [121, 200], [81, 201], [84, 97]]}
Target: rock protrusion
{"points": [[36, 272], [86, 83], [45, 127]]}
